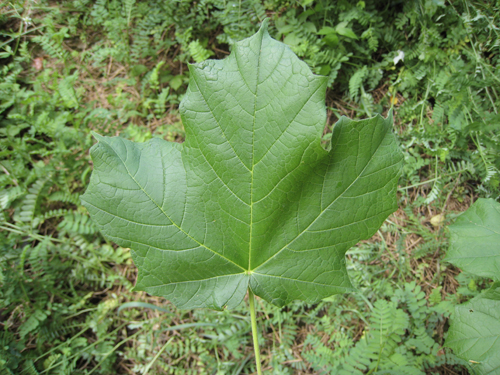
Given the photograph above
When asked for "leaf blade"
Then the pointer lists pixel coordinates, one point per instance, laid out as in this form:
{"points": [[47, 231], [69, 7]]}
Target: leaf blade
{"points": [[328, 262], [475, 239], [144, 229], [251, 197], [474, 333]]}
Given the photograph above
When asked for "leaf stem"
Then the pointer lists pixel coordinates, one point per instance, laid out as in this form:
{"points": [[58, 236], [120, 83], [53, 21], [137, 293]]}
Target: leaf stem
{"points": [[253, 318]]}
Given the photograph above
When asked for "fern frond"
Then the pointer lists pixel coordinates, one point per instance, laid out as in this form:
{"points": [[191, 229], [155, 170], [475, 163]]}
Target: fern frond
{"points": [[414, 299], [67, 92], [51, 47], [33, 322], [372, 37], [56, 329], [31, 202], [461, 166], [29, 368], [438, 113], [356, 81], [141, 41], [442, 80], [198, 52], [239, 19], [77, 223], [424, 249], [99, 12], [128, 7], [7, 196], [435, 191], [39, 256], [161, 101], [62, 196], [420, 72]]}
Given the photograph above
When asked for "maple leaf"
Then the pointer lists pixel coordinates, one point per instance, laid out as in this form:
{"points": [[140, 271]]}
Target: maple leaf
{"points": [[250, 199]]}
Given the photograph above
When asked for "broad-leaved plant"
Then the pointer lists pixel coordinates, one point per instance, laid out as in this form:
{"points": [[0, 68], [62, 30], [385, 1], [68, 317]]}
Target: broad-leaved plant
{"points": [[251, 201], [474, 333]]}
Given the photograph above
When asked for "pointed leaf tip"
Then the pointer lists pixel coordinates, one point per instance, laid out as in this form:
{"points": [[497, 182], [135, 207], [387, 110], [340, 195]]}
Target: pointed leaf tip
{"points": [[97, 136], [264, 26]]}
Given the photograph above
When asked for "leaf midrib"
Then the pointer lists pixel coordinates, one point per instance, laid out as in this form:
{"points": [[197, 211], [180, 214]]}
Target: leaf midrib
{"points": [[253, 154]]}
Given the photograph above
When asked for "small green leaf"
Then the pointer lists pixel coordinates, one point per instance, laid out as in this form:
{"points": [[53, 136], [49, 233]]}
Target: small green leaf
{"points": [[326, 30], [475, 240], [292, 39], [138, 70], [474, 333], [330, 35], [305, 3], [331, 40], [342, 29], [250, 199], [32, 323], [176, 82]]}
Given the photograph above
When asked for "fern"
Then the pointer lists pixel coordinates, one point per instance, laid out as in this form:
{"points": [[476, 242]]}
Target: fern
{"points": [[33, 322], [39, 257], [420, 72], [239, 19], [161, 102], [356, 81], [141, 42], [8, 196], [67, 91], [29, 368], [30, 205], [424, 249], [128, 7], [53, 48], [380, 340], [435, 191], [395, 339], [198, 52], [332, 59], [62, 196], [438, 113], [372, 37], [99, 12], [54, 260], [77, 223]]}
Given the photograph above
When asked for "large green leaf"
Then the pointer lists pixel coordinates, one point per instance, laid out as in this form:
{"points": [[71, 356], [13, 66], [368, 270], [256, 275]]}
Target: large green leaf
{"points": [[474, 333], [475, 240], [250, 199]]}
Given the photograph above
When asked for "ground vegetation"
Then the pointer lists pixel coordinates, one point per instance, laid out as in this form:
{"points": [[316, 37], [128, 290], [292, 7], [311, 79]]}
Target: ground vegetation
{"points": [[120, 68]]}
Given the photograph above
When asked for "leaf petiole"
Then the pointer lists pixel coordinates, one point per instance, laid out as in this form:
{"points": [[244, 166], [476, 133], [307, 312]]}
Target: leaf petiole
{"points": [[253, 318]]}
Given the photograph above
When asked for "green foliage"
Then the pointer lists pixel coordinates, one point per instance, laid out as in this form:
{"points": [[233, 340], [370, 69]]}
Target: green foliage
{"points": [[209, 206], [475, 329], [120, 67], [453, 70], [478, 228], [397, 338]]}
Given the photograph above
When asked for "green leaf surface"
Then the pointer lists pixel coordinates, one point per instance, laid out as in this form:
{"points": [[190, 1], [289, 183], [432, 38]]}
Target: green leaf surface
{"points": [[342, 29], [475, 240], [250, 199], [474, 333]]}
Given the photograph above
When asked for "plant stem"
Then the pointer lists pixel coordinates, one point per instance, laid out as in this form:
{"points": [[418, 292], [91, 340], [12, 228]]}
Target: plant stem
{"points": [[253, 318]]}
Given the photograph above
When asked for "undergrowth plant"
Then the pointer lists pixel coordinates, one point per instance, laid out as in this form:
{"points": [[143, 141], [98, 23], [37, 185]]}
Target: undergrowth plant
{"points": [[475, 328], [264, 210], [120, 67], [267, 210]]}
